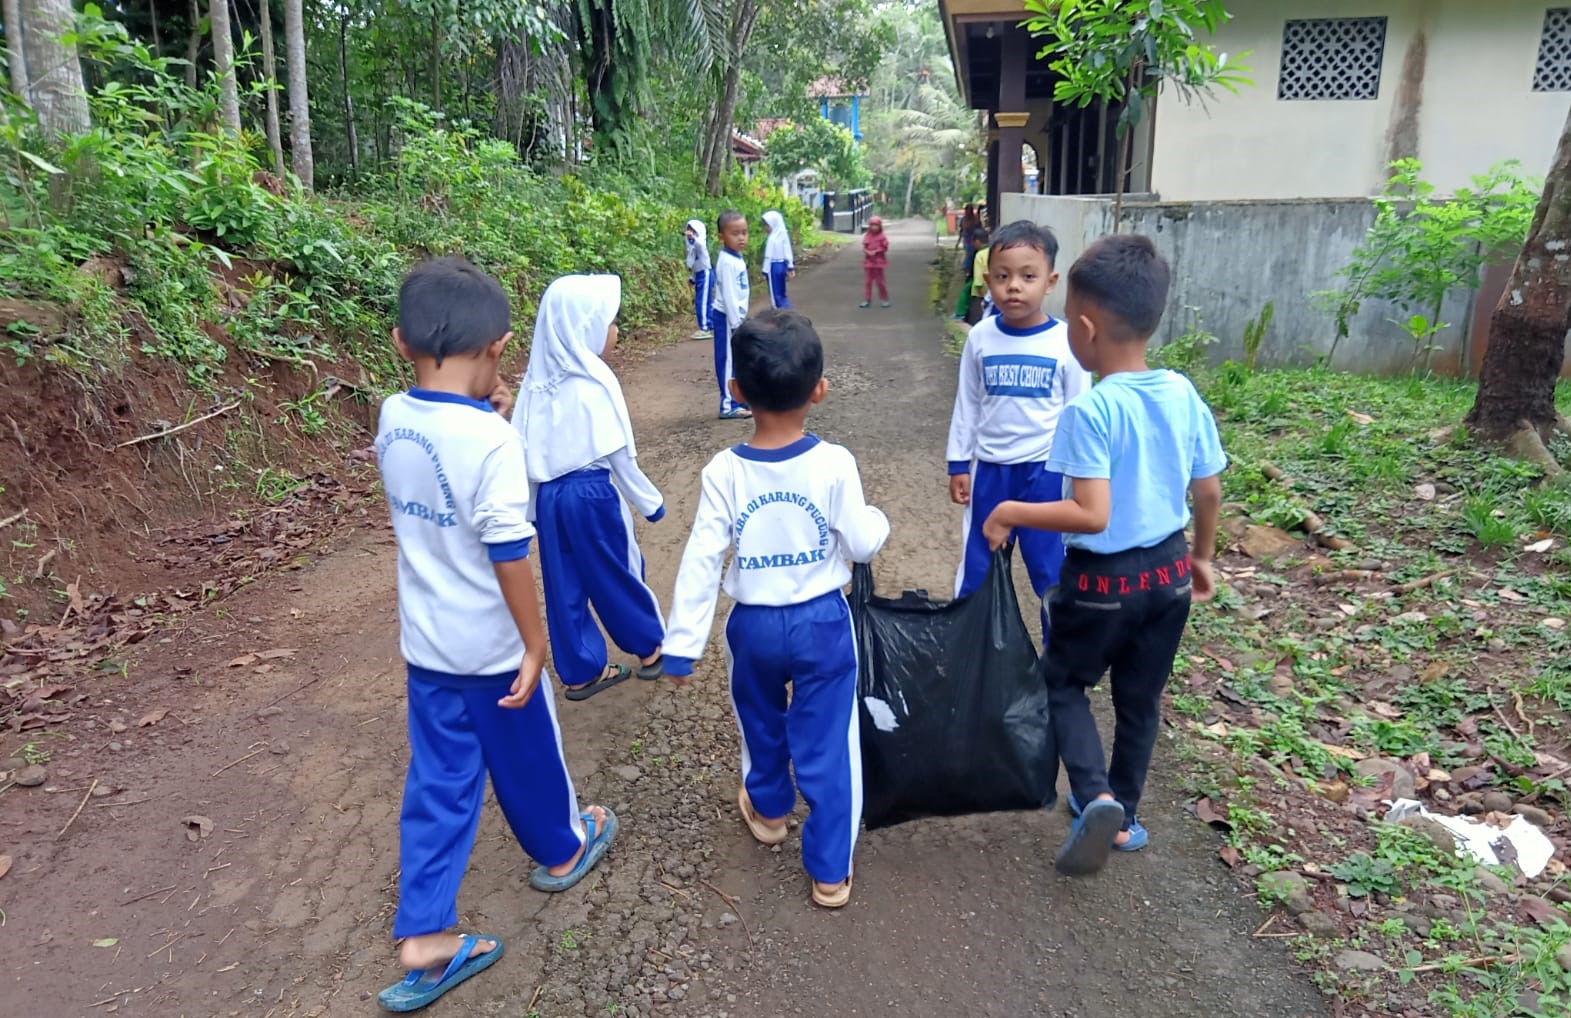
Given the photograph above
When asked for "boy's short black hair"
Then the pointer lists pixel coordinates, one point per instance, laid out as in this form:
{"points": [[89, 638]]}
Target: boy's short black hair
{"points": [[1125, 276], [1024, 233], [979, 238], [777, 360], [726, 218], [447, 307]]}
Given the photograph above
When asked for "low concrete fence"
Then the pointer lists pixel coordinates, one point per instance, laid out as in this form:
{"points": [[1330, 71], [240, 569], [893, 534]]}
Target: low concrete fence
{"points": [[1230, 258]]}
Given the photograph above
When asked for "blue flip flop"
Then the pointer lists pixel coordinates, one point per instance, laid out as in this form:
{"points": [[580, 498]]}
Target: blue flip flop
{"points": [[1139, 837], [1090, 839], [422, 986], [599, 841]]}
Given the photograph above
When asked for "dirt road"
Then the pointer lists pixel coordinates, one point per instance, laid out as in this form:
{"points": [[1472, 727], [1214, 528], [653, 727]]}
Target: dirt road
{"points": [[278, 901]]}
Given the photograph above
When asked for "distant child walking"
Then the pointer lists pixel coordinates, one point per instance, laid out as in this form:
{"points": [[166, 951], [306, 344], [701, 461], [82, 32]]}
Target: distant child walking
{"points": [[730, 305], [578, 444], [700, 275], [1135, 449], [470, 632], [1016, 376], [779, 261], [790, 510], [875, 259]]}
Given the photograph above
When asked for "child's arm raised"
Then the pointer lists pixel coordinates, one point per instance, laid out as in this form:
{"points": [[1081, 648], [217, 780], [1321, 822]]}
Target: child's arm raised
{"points": [[693, 602], [1084, 512]]}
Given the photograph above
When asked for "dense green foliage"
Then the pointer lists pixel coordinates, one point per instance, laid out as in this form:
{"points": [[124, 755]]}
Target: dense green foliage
{"points": [[1422, 248], [815, 143], [166, 202]]}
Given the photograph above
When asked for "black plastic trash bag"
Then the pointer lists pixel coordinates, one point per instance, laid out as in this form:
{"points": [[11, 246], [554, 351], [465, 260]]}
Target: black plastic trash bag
{"points": [[953, 710]]}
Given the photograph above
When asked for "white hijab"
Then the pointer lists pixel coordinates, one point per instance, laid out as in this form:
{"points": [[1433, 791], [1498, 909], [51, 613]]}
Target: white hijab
{"points": [[570, 406], [777, 247], [700, 232]]}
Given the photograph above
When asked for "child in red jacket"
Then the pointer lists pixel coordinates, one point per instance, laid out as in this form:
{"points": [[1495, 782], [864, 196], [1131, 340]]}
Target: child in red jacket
{"points": [[875, 258]]}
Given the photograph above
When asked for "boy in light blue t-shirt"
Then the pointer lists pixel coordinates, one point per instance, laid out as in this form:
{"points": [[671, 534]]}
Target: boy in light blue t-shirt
{"points": [[1133, 451]]}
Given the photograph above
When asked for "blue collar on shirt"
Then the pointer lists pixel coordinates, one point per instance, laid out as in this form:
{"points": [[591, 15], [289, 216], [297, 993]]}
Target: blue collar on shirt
{"points": [[780, 455], [727, 251], [449, 397], [1035, 330]]}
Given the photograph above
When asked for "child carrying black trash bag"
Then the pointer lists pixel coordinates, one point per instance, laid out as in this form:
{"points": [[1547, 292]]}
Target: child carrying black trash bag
{"points": [[789, 510], [1133, 451]]}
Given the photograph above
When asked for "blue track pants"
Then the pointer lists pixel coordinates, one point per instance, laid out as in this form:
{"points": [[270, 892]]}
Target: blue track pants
{"points": [[457, 734], [777, 285], [588, 556], [811, 648], [1042, 550], [703, 297], [722, 329]]}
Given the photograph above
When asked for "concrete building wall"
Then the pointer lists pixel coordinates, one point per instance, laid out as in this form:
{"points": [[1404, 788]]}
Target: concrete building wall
{"points": [[1455, 90], [1230, 258]]}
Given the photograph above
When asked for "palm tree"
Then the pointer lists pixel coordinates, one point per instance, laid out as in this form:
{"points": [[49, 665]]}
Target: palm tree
{"points": [[299, 102], [55, 89], [224, 63]]}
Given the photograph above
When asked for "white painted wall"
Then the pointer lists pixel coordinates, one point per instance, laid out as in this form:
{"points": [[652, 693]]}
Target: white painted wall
{"points": [[1477, 106]]}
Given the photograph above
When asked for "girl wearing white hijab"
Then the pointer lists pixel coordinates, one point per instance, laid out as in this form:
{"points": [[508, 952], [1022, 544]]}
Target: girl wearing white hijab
{"points": [[701, 276], [579, 452], [779, 262]]}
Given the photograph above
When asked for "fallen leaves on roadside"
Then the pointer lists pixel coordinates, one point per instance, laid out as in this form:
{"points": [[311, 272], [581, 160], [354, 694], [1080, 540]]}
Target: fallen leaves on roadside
{"points": [[5, 866], [244, 660], [197, 827], [106, 941], [1208, 813], [1231, 856], [152, 717], [1359, 418]]}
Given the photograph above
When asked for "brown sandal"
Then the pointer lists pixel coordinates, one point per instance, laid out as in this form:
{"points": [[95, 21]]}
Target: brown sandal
{"points": [[832, 895], [761, 831]]}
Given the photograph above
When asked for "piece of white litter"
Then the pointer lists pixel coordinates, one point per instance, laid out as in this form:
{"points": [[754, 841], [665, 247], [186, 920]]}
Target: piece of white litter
{"points": [[1479, 840], [883, 718], [1539, 547]]}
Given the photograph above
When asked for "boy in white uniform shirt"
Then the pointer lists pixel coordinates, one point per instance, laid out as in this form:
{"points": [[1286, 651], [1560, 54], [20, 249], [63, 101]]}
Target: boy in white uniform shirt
{"points": [[470, 631], [790, 510], [1016, 376]]}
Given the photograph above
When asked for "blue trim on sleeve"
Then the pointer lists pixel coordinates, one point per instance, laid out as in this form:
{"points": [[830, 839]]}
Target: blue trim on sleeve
{"points": [[1035, 330], [658, 516], [681, 667], [959, 467], [432, 396], [508, 551], [779, 455]]}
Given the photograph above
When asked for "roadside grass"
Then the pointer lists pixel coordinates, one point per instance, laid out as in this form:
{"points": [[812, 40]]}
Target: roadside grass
{"points": [[1421, 627]]}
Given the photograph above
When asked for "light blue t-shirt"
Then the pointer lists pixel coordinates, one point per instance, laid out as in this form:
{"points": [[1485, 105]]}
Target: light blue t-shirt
{"points": [[1149, 434]]}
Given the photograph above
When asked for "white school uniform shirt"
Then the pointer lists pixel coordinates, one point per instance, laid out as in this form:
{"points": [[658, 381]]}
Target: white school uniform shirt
{"points": [[571, 412], [1014, 385], [731, 288], [790, 520], [697, 248], [453, 472], [777, 245]]}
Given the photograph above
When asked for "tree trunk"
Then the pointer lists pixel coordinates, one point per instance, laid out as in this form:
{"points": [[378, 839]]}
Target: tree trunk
{"points": [[224, 63], [16, 58], [275, 142], [56, 89], [349, 101], [299, 101], [436, 63], [193, 44], [1527, 332], [910, 187], [718, 151]]}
